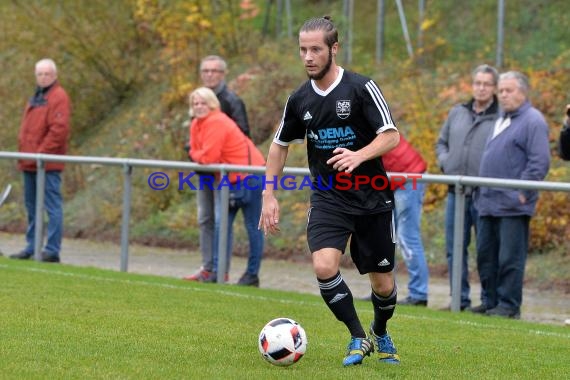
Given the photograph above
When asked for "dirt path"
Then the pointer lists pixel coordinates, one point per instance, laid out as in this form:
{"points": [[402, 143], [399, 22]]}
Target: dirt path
{"points": [[544, 306]]}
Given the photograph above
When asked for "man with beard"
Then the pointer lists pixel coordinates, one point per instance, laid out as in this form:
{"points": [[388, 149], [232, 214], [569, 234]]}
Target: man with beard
{"points": [[348, 127]]}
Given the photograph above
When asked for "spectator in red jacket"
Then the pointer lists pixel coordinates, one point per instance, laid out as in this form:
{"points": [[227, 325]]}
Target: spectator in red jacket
{"points": [[409, 202], [44, 129], [216, 138]]}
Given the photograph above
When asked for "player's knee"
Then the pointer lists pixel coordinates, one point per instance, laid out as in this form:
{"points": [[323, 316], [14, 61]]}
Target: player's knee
{"points": [[326, 263], [383, 284], [323, 270]]}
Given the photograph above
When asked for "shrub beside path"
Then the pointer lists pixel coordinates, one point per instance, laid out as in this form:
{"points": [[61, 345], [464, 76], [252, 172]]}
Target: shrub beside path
{"points": [[539, 306]]}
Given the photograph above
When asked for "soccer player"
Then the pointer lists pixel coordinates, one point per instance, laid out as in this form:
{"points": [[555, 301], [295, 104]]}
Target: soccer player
{"points": [[348, 127]]}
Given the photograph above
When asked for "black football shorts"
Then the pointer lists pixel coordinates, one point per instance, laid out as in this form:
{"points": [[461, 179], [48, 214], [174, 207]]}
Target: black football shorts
{"points": [[372, 237]]}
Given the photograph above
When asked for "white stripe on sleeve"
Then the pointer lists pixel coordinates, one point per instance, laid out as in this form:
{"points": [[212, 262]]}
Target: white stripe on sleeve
{"points": [[380, 102]]}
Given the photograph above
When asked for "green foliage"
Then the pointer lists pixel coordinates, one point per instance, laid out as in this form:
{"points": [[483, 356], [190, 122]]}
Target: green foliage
{"points": [[188, 31], [460, 31], [70, 322]]}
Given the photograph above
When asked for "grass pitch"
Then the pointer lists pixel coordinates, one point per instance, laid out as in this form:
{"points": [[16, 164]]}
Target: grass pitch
{"points": [[59, 321]]}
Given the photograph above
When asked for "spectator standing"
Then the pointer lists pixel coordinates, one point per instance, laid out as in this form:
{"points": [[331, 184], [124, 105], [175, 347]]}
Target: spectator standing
{"points": [[564, 140], [409, 203], [517, 149], [459, 149], [44, 129], [213, 70], [216, 138], [348, 127]]}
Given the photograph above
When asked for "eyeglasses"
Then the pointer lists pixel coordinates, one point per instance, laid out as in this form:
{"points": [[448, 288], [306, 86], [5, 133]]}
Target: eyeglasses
{"points": [[483, 84], [211, 71]]}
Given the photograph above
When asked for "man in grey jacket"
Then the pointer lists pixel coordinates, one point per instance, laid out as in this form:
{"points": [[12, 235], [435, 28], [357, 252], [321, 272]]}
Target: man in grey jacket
{"points": [[518, 148], [459, 149]]}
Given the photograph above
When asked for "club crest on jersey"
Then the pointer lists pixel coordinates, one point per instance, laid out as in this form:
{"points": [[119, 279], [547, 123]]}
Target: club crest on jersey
{"points": [[343, 108]]}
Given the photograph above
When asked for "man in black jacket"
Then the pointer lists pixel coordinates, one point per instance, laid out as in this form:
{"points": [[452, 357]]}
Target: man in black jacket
{"points": [[564, 143]]}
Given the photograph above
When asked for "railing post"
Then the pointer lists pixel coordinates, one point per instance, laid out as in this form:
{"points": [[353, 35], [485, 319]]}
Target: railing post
{"points": [[39, 217], [127, 176], [457, 262], [223, 232]]}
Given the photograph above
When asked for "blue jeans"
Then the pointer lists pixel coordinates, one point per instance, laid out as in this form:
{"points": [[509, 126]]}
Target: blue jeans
{"points": [[53, 204], [408, 215], [251, 212], [470, 221], [502, 247]]}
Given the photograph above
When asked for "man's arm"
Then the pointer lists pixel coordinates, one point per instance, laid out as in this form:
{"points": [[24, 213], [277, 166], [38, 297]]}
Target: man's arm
{"points": [[345, 160], [442, 145], [58, 126], [537, 150], [538, 154], [269, 220]]}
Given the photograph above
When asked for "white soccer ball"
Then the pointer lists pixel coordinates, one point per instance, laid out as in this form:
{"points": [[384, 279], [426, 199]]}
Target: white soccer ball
{"points": [[282, 342]]}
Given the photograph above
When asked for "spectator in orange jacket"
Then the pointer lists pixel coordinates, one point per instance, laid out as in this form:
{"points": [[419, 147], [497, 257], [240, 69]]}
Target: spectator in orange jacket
{"points": [[44, 129], [213, 71], [408, 212], [216, 138]]}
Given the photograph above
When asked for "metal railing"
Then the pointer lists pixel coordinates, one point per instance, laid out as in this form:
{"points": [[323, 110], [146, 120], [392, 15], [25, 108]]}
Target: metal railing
{"points": [[127, 164]]}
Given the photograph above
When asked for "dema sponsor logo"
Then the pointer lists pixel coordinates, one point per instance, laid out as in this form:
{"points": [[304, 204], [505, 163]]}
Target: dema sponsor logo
{"points": [[336, 133]]}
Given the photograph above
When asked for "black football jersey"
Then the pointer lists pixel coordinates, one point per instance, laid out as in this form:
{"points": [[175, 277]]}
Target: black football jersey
{"points": [[349, 114]]}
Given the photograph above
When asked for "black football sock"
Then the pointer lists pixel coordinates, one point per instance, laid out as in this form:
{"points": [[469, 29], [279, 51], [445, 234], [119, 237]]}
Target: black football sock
{"points": [[339, 299], [383, 310]]}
